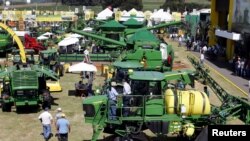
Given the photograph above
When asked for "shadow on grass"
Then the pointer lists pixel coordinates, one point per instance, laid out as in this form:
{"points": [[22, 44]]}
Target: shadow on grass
{"points": [[71, 93], [28, 109]]}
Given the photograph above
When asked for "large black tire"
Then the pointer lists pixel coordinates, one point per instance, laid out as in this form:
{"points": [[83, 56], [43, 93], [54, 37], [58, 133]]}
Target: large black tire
{"points": [[6, 107]]}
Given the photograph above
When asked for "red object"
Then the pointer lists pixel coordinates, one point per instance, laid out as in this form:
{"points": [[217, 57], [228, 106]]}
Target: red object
{"points": [[31, 43], [169, 59]]}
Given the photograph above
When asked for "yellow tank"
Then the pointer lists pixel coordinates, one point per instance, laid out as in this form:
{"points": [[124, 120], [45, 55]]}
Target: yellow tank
{"points": [[187, 102]]}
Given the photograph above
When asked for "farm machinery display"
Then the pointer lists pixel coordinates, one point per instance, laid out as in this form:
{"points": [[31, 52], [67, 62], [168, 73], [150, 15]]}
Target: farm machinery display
{"points": [[158, 105], [24, 82], [113, 38], [232, 106], [154, 104]]}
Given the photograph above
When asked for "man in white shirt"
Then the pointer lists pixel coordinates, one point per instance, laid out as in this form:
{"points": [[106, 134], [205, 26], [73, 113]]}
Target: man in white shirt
{"points": [[202, 58], [46, 120], [126, 97], [86, 56], [204, 49]]}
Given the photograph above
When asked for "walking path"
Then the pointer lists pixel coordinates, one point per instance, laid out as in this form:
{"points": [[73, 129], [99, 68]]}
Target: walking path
{"points": [[222, 68]]}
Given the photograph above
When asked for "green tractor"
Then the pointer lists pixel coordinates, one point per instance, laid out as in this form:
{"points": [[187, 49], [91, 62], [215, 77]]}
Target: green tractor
{"points": [[50, 59], [5, 42], [153, 104], [25, 81], [23, 86]]}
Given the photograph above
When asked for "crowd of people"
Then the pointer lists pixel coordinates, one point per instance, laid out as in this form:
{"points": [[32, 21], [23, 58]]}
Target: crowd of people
{"points": [[241, 66]]}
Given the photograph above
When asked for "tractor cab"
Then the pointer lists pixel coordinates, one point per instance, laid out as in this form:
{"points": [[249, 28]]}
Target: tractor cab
{"points": [[29, 56], [121, 69], [146, 82], [50, 59]]}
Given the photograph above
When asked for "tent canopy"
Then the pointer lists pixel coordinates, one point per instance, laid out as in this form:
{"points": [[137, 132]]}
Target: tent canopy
{"points": [[82, 67], [105, 14], [68, 41]]}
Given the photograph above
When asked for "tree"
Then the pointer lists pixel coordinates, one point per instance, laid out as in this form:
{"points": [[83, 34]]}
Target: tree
{"points": [[123, 4]]}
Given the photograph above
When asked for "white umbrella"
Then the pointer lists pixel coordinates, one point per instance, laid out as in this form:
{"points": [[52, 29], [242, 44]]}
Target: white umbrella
{"points": [[82, 67]]}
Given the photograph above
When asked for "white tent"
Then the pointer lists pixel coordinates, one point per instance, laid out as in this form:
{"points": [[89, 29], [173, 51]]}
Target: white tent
{"points": [[105, 14], [160, 16], [22, 33], [82, 67], [68, 41], [133, 12], [75, 35], [166, 17], [42, 37]]}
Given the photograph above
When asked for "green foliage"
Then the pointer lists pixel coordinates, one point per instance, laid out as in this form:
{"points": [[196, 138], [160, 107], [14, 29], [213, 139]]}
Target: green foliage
{"points": [[181, 6]]}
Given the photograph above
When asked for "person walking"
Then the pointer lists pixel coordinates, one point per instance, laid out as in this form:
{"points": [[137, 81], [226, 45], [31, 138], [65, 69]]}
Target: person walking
{"points": [[46, 120], [58, 114], [63, 128]]}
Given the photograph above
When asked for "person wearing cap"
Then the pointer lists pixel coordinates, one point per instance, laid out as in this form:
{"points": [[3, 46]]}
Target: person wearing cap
{"points": [[63, 128], [112, 96], [46, 120], [58, 114]]}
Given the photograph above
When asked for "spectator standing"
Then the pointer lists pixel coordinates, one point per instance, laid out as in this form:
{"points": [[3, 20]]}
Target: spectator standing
{"points": [[90, 83], [206, 91], [202, 58], [126, 98], [169, 60], [63, 128], [46, 120], [112, 96], [179, 41], [86, 56]]}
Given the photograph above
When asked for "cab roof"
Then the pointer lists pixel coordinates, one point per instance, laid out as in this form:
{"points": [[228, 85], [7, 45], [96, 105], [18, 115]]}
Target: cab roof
{"points": [[147, 75]]}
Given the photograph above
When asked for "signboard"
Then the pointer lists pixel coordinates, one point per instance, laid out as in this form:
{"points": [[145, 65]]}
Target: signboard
{"points": [[76, 10], [241, 13]]}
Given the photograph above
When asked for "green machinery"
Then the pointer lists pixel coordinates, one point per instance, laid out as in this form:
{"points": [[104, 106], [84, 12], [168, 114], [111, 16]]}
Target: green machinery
{"points": [[143, 47], [112, 39], [50, 59], [232, 106], [5, 42], [23, 86], [23, 82], [154, 104]]}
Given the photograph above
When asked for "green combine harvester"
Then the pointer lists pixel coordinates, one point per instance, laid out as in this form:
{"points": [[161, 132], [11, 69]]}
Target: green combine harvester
{"points": [[23, 86], [113, 38], [24, 82], [155, 104]]}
